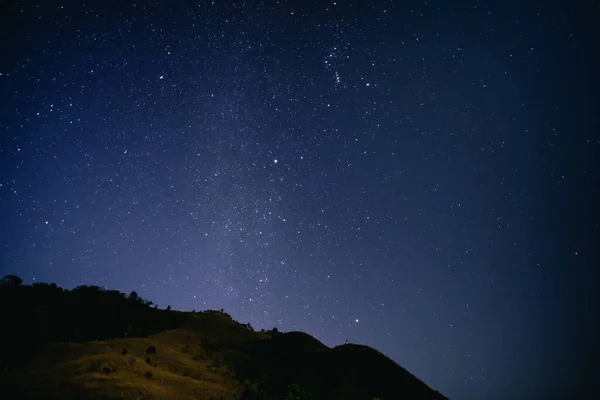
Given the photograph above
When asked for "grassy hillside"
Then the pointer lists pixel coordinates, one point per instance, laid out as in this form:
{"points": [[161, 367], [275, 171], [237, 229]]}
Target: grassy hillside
{"points": [[91, 343]]}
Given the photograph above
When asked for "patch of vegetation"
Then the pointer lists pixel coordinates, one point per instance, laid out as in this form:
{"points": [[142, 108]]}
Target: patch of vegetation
{"points": [[297, 392], [45, 313]]}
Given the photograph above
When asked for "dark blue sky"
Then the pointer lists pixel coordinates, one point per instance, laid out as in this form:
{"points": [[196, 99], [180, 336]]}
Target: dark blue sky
{"points": [[415, 177]]}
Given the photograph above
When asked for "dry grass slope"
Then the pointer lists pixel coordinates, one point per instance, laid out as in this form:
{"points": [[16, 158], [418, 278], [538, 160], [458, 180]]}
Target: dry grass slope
{"points": [[189, 363]]}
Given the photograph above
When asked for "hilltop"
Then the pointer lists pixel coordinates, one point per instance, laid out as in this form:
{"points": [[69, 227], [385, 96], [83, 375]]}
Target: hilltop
{"points": [[93, 343]]}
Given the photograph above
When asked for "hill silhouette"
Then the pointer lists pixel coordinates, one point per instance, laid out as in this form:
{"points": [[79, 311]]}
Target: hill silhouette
{"points": [[93, 343]]}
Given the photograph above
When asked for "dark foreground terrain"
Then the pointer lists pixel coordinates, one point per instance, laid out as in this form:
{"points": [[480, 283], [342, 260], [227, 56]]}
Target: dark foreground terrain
{"points": [[91, 343]]}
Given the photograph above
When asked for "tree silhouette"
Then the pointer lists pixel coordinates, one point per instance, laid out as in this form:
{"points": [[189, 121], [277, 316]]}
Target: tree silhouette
{"points": [[134, 297], [11, 280]]}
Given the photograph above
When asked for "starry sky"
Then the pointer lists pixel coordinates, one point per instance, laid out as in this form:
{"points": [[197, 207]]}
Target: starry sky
{"points": [[415, 176]]}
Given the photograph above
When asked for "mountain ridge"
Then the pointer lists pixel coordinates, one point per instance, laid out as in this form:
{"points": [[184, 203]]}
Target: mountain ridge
{"points": [[93, 343]]}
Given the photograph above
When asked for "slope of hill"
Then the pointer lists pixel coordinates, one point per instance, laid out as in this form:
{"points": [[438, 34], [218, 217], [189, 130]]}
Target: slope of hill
{"points": [[91, 343]]}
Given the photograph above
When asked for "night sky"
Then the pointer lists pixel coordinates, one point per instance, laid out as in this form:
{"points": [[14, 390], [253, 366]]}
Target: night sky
{"points": [[417, 177]]}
